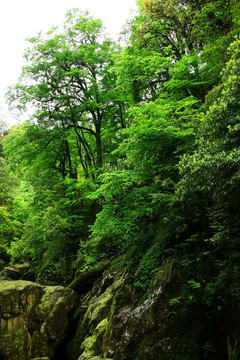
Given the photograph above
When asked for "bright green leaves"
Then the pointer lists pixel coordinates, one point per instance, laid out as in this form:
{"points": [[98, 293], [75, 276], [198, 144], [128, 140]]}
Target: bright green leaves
{"points": [[217, 158], [156, 137], [196, 35], [210, 178], [141, 73], [137, 197], [9, 228], [6, 184], [192, 75], [68, 85], [66, 81], [112, 145]]}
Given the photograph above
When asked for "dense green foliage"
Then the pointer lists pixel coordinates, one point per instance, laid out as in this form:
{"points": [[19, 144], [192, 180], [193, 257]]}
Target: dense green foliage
{"points": [[131, 155]]}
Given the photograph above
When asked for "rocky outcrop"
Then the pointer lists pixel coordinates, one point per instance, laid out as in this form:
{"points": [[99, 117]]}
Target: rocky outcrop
{"points": [[116, 324], [114, 320], [33, 319]]}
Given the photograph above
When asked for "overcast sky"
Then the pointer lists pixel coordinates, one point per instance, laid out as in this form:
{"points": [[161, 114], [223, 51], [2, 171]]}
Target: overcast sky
{"points": [[20, 19]]}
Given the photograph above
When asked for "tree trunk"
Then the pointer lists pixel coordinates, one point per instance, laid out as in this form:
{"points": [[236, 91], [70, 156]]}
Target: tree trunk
{"points": [[99, 148]]}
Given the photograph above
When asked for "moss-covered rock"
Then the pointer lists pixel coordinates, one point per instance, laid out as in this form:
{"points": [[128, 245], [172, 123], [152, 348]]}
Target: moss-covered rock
{"points": [[84, 281], [33, 319], [94, 323], [54, 307], [115, 323], [87, 356]]}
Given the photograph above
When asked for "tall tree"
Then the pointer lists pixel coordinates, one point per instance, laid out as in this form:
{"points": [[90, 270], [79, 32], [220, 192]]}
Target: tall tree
{"points": [[47, 201], [68, 85], [68, 82]]}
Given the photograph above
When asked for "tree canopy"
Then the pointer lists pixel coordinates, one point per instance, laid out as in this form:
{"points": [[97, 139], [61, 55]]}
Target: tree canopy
{"points": [[131, 154]]}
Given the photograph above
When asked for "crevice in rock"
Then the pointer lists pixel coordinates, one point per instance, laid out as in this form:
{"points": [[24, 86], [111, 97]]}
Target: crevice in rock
{"points": [[61, 351]]}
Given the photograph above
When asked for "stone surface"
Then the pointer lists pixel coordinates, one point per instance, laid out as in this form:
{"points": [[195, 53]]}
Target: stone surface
{"points": [[33, 319], [93, 324], [84, 281], [116, 324], [17, 272]]}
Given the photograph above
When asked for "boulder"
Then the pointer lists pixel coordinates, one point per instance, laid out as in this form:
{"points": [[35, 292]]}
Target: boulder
{"points": [[115, 323], [17, 272], [84, 281], [33, 319]]}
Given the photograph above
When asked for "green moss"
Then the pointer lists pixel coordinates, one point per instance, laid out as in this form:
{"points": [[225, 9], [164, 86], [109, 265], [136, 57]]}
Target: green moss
{"points": [[16, 336], [101, 306], [86, 356], [96, 322], [16, 285], [102, 303], [90, 344], [102, 325], [93, 343], [34, 318], [50, 299]]}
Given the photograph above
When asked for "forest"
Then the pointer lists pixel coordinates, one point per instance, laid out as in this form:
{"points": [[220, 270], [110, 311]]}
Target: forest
{"points": [[131, 154]]}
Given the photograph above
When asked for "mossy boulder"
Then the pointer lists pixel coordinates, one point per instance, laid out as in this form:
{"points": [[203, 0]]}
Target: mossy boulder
{"points": [[33, 319], [115, 323], [88, 342], [54, 307], [84, 281]]}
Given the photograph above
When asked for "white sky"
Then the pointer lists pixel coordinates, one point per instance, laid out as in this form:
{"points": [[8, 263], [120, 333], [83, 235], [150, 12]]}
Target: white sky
{"points": [[21, 19]]}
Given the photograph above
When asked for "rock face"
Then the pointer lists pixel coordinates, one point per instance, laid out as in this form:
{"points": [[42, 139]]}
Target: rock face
{"points": [[33, 319], [112, 321], [115, 324]]}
